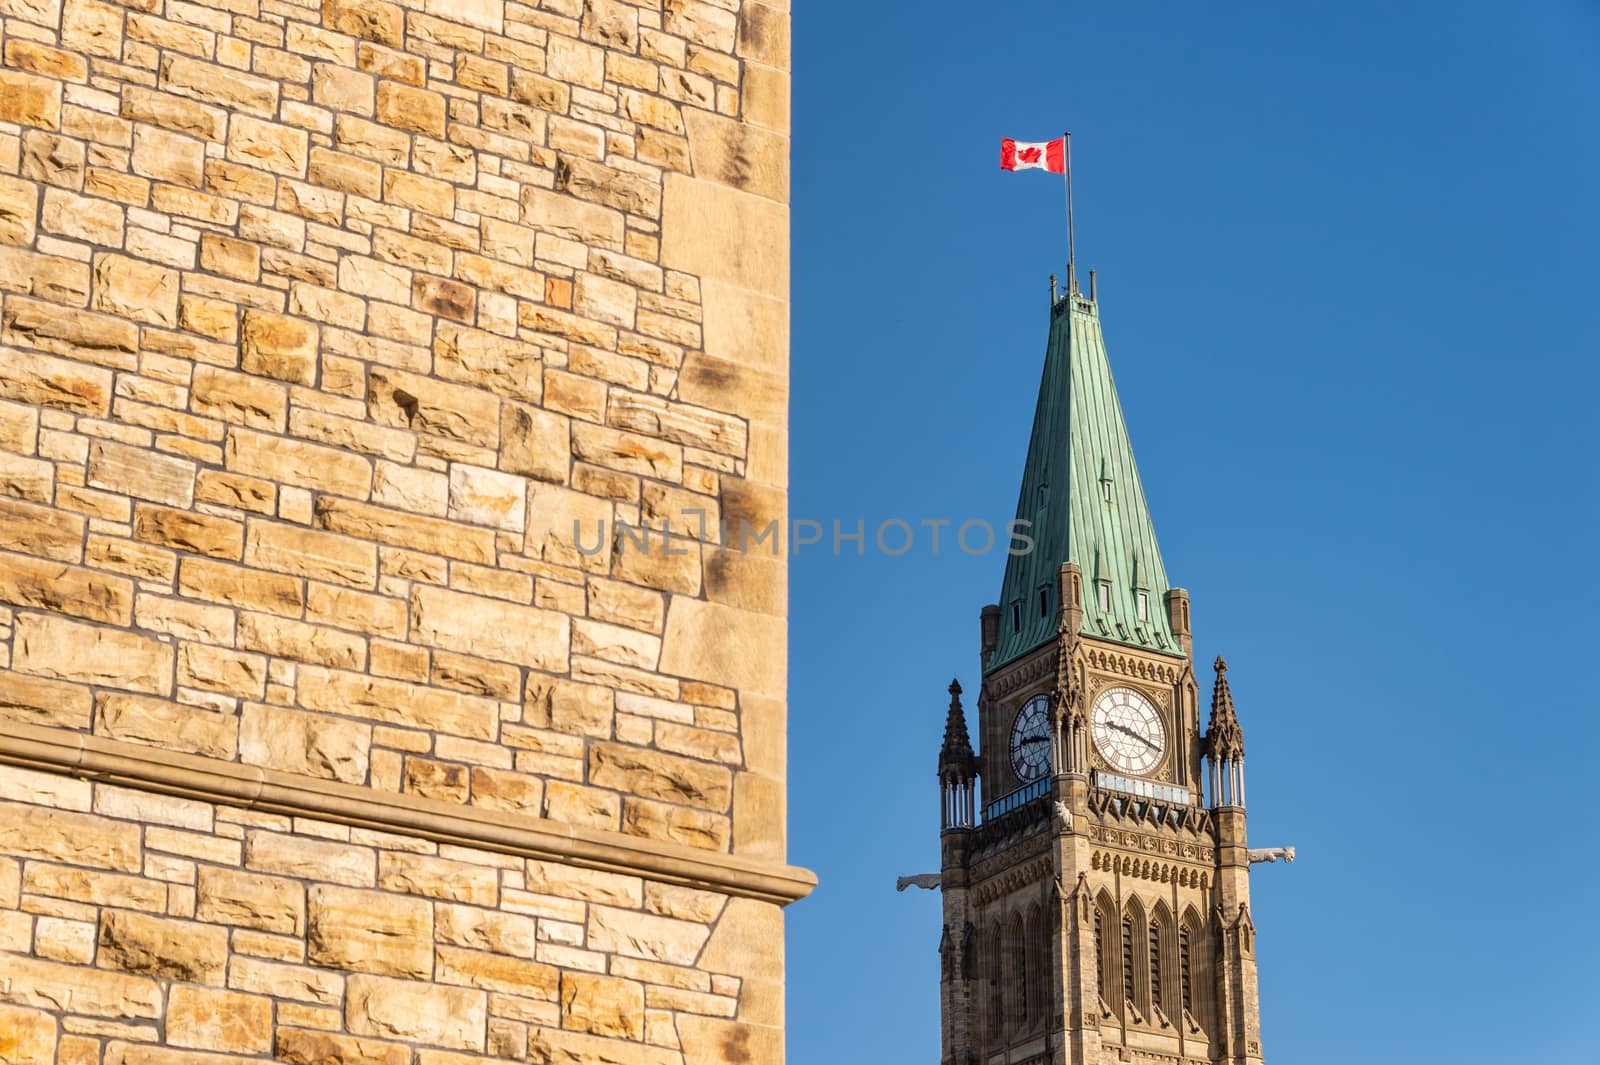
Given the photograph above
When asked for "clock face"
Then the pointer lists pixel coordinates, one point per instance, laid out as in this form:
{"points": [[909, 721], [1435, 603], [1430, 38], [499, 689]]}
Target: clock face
{"points": [[1030, 740], [1127, 730]]}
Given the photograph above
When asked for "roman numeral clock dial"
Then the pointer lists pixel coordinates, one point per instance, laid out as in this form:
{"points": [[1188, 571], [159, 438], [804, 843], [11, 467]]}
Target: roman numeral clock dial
{"points": [[1030, 740], [1128, 731]]}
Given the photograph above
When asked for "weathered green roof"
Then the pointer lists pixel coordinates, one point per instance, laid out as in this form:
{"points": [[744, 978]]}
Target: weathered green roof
{"points": [[1081, 491]]}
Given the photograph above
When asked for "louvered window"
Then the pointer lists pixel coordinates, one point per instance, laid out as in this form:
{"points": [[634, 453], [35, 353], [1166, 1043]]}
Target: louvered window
{"points": [[1155, 965], [1185, 985], [1100, 952], [1127, 960]]}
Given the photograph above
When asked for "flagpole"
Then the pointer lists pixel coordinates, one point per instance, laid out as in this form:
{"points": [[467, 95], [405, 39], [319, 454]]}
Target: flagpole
{"points": [[1072, 255]]}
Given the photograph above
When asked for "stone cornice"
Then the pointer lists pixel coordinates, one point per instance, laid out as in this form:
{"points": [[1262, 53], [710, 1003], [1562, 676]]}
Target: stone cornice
{"points": [[253, 788]]}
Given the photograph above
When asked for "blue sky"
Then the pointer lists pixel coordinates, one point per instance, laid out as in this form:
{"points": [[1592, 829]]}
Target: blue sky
{"points": [[1347, 257]]}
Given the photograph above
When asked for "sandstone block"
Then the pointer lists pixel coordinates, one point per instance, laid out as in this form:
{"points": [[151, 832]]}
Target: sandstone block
{"points": [[712, 1041], [322, 556], [95, 992], [210, 84], [212, 1019], [171, 112], [275, 148], [370, 19], [438, 878], [299, 1046], [161, 947], [764, 35], [275, 345], [253, 589], [501, 789], [37, 701], [642, 935], [502, 366], [407, 107], [602, 1005], [370, 931], [444, 781], [51, 646], [231, 258], [94, 887], [719, 232], [568, 528], [496, 972], [82, 217], [287, 638], [295, 462], [51, 382], [534, 442], [406, 400], [442, 297], [576, 804], [708, 641], [397, 703], [310, 744], [163, 155], [301, 983], [27, 1037], [84, 593], [141, 473], [250, 900], [134, 288], [19, 205], [700, 829], [310, 859], [738, 154], [493, 931], [186, 530], [239, 398], [41, 531], [402, 529], [347, 173], [490, 628], [487, 497], [419, 1012], [485, 14], [29, 100], [159, 723], [221, 669]]}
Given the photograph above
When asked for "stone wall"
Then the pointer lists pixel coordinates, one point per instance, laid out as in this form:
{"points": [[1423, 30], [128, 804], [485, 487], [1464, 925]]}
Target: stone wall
{"points": [[330, 337]]}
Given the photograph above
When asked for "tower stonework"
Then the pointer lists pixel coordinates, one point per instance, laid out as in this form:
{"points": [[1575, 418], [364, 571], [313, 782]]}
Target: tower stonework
{"points": [[1096, 890], [340, 341]]}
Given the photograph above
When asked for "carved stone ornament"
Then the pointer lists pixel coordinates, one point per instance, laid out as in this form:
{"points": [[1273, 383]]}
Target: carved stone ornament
{"points": [[928, 881], [1063, 818], [1271, 854]]}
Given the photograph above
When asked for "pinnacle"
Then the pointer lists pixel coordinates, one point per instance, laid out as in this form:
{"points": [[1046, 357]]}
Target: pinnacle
{"points": [[956, 752], [1223, 734]]}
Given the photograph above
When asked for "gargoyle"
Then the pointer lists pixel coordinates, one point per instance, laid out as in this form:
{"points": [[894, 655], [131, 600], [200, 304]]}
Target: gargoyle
{"points": [[1271, 854], [929, 881]]}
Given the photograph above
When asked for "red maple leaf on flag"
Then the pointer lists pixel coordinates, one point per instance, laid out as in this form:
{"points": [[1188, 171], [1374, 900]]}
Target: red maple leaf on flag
{"points": [[1029, 155]]}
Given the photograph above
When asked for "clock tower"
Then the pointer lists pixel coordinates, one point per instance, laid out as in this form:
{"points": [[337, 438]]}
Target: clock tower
{"points": [[1094, 868]]}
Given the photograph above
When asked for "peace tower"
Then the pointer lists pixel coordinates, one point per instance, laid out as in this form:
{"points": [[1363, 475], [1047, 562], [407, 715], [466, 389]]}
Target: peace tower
{"points": [[1095, 874]]}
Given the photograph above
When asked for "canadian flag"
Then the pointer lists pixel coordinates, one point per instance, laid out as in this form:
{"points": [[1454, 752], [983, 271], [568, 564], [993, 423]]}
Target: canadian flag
{"points": [[1034, 155]]}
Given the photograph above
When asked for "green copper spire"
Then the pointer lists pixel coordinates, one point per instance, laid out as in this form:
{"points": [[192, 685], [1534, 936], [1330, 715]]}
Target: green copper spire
{"points": [[1081, 491]]}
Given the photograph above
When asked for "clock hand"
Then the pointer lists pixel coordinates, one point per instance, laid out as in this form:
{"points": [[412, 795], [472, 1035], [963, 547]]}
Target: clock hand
{"points": [[1135, 735]]}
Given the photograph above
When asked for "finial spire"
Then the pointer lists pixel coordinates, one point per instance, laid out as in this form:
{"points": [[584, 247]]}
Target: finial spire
{"points": [[1224, 737], [956, 752]]}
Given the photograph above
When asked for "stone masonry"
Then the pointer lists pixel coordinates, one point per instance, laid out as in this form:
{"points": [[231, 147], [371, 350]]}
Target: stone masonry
{"points": [[338, 720]]}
